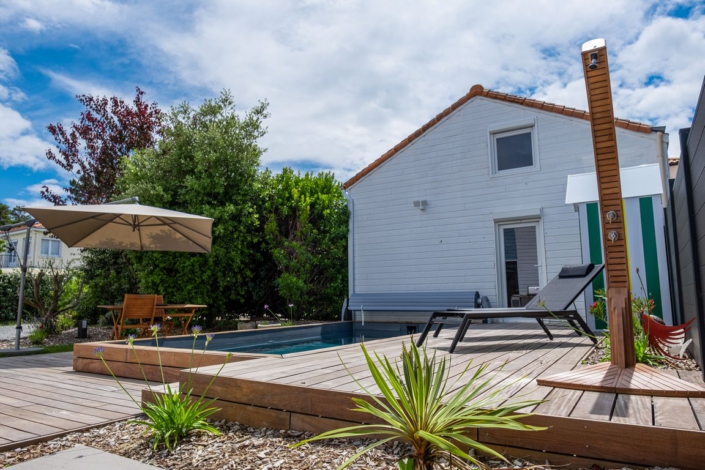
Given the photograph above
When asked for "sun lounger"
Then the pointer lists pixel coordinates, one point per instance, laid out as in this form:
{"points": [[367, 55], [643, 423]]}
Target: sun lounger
{"points": [[553, 301]]}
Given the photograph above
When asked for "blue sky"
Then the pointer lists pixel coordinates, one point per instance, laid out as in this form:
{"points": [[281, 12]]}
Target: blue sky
{"points": [[345, 80]]}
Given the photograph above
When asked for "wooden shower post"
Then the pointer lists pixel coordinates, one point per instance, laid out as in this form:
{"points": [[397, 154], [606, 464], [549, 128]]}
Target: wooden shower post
{"points": [[604, 142], [623, 375]]}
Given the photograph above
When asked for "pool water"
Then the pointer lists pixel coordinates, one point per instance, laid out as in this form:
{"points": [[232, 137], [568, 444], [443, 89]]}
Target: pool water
{"points": [[295, 339], [304, 344]]}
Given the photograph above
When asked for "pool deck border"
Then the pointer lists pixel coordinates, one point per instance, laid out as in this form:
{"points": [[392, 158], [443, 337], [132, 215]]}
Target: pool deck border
{"points": [[142, 360], [312, 392]]}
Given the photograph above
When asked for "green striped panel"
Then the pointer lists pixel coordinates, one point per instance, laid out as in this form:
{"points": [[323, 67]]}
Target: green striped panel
{"points": [[595, 243], [648, 233]]}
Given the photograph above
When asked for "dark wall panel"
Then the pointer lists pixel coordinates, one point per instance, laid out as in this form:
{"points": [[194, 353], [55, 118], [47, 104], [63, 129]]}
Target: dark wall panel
{"points": [[685, 218]]}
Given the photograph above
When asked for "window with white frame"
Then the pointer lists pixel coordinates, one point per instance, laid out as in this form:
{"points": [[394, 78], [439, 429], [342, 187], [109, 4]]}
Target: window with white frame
{"points": [[513, 149], [51, 248]]}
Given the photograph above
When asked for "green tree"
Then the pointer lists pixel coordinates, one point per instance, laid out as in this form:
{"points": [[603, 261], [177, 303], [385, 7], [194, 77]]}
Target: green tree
{"points": [[4, 214], [48, 292], [206, 164], [4, 220], [10, 216], [306, 230], [108, 275], [91, 149]]}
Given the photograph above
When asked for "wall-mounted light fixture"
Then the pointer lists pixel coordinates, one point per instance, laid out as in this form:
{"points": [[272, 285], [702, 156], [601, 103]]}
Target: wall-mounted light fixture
{"points": [[421, 205], [593, 61]]}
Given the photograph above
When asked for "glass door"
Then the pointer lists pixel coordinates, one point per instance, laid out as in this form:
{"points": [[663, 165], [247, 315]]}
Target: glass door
{"points": [[520, 267]]}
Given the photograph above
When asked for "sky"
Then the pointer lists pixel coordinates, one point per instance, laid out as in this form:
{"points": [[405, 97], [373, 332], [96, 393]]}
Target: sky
{"points": [[346, 80]]}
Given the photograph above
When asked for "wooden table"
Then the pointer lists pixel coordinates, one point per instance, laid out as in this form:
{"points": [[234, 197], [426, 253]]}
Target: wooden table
{"points": [[163, 312]]}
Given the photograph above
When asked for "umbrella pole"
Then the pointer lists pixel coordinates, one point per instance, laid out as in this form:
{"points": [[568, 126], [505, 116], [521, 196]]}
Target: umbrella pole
{"points": [[23, 269], [23, 277]]}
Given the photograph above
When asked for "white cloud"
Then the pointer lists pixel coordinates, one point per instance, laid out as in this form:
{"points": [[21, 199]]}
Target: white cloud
{"points": [[33, 202], [11, 94], [33, 25], [349, 80], [104, 14], [78, 87], [32, 194], [19, 145], [8, 66], [53, 184]]}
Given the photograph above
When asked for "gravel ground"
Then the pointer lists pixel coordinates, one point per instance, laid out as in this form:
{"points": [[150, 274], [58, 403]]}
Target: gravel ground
{"points": [[95, 333], [7, 333], [238, 447], [598, 354]]}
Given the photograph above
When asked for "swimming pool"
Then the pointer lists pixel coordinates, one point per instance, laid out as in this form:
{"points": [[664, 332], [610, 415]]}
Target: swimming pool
{"points": [[247, 345], [290, 340], [306, 344]]}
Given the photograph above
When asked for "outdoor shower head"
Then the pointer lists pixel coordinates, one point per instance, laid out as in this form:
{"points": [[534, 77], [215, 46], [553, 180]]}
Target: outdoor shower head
{"points": [[593, 61]]}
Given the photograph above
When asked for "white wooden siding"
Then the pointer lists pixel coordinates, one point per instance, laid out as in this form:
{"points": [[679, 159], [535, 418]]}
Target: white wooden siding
{"points": [[451, 245]]}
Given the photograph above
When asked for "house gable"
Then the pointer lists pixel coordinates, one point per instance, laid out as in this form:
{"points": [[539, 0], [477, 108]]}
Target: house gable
{"points": [[450, 246], [480, 91]]}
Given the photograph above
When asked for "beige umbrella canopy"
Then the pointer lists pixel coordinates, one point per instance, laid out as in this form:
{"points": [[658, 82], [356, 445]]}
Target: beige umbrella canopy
{"points": [[126, 227]]}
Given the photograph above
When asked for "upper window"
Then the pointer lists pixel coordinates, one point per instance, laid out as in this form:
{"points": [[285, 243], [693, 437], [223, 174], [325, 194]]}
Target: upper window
{"points": [[513, 149], [51, 248]]}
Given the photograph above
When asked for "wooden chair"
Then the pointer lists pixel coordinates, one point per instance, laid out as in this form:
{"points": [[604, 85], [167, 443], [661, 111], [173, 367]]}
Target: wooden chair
{"points": [[160, 313], [140, 310]]}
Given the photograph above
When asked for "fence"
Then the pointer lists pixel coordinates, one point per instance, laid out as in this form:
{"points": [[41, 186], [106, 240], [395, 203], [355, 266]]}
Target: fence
{"points": [[9, 261], [685, 230]]}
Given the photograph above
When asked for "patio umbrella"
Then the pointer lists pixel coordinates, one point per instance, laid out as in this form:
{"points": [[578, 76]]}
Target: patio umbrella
{"points": [[115, 226], [126, 227]]}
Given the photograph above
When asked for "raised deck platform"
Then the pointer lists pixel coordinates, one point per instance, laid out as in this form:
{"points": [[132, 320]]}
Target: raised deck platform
{"points": [[311, 392]]}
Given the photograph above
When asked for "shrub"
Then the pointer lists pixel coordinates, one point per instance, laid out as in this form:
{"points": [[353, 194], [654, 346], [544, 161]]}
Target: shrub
{"points": [[52, 291], [38, 336], [306, 235], [66, 321], [9, 285]]}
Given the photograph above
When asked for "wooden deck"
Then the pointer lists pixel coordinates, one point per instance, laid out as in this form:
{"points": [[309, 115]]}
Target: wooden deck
{"points": [[41, 397], [311, 391]]}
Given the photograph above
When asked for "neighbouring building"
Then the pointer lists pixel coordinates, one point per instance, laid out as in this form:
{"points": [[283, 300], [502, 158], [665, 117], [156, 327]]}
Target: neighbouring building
{"points": [[475, 200], [43, 247]]}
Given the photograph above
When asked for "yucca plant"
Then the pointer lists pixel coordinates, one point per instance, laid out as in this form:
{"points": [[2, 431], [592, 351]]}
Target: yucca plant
{"points": [[421, 407]]}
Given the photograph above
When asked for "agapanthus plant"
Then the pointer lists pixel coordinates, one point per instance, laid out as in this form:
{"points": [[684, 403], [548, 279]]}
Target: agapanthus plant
{"points": [[172, 414]]}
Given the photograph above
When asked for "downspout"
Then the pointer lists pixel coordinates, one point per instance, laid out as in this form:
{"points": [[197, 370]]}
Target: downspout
{"points": [[663, 166], [351, 243]]}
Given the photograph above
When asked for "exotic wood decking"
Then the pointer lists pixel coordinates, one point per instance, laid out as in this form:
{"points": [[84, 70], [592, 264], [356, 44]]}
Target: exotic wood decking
{"points": [[311, 392], [41, 397]]}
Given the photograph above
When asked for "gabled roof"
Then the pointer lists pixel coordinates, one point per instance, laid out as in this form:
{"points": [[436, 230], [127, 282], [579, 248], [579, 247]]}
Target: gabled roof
{"points": [[36, 225], [479, 90]]}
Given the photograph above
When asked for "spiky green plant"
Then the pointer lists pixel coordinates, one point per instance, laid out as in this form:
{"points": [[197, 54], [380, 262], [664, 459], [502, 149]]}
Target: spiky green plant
{"points": [[173, 413], [421, 407]]}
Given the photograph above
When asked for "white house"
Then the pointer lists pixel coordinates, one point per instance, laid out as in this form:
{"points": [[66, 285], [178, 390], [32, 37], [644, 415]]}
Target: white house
{"points": [[475, 200], [42, 248]]}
